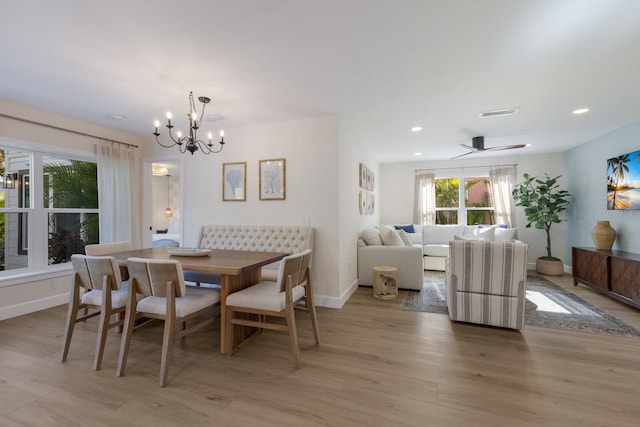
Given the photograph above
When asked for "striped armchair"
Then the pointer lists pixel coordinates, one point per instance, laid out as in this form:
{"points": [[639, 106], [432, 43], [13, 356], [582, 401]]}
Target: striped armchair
{"points": [[485, 282]]}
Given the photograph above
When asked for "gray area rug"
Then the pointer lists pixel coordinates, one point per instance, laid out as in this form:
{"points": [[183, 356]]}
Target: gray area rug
{"points": [[548, 305]]}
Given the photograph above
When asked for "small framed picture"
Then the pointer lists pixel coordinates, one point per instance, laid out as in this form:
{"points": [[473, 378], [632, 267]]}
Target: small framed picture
{"points": [[234, 182], [272, 179]]}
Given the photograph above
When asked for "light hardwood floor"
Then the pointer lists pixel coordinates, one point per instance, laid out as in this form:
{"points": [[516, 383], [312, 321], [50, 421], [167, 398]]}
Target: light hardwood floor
{"points": [[377, 365]]}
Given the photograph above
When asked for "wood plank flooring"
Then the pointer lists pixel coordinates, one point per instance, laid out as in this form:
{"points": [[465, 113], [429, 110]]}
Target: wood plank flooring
{"points": [[377, 365]]}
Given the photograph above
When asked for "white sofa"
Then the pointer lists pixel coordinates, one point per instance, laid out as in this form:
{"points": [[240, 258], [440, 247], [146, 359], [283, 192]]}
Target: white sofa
{"points": [[425, 247], [262, 238]]}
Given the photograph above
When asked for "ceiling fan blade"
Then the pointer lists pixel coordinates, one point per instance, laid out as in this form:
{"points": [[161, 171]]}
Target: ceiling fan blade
{"points": [[469, 147], [506, 147], [462, 155]]}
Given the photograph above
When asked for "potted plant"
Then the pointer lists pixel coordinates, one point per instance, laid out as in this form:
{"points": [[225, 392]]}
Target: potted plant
{"points": [[543, 201]]}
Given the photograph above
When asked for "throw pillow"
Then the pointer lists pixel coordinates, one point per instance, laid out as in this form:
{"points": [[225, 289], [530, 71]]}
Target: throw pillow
{"points": [[371, 237], [486, 233], [405, 238], [407, 228], [505, 234], [390, 236]]}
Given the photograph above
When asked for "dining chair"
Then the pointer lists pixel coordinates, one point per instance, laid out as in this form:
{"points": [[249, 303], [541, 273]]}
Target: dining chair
{"points": [[98, 249], [164, 296], [97, 284], [292, 291]]}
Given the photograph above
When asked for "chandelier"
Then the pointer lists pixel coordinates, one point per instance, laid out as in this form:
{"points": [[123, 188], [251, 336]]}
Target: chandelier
{"points": [[191, 142]]}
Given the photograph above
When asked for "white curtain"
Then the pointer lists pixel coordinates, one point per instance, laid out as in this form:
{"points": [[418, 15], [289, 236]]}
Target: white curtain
{"points": [[502, 181], [424, 198], [119, 192]]}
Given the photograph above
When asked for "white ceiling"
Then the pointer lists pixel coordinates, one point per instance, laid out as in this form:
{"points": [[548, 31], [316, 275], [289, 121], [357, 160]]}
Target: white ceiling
{"points": [[386, 64]]}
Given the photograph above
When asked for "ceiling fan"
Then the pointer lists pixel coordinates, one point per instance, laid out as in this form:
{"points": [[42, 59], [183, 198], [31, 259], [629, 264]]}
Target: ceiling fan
{"points": [[477, 146]]}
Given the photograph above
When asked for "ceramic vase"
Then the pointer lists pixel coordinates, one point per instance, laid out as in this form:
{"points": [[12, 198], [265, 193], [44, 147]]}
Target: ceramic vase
{"points": [[603, 235]]}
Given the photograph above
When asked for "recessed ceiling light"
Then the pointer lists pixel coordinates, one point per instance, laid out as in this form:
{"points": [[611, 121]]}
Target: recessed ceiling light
{"points": [[417, 153], [581, 111], [116, 117], [416, 129]]}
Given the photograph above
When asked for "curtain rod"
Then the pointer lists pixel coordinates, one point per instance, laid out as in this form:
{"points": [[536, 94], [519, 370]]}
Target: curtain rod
{"points": [[65, 129], [465, 167]]}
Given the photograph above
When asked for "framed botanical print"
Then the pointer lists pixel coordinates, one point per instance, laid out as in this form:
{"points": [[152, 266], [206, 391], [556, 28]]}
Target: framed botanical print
{"points": [[234, 182], [272, 179]]}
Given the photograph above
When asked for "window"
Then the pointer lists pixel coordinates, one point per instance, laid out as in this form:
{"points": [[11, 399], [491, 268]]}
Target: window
{"points": [[50, 210], [464, 200]]}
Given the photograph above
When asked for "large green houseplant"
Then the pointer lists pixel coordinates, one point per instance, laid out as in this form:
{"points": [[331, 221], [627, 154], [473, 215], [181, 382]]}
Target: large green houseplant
{"points": [[543, 201]]}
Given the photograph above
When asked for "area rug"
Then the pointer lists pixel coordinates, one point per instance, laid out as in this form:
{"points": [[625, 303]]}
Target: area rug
{"points": [[548, 305]]}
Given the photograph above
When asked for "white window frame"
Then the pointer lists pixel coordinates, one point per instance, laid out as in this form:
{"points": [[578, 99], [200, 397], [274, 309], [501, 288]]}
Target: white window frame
{"points": [[38, 215], [462, 209]]}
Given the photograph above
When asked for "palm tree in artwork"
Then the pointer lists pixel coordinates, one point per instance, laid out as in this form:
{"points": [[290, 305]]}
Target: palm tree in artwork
{"points": [[618, 167]]}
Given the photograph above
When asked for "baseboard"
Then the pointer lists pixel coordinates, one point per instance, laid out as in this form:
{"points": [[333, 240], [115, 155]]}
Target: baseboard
{"points": [[335, 302], [33, 306]]}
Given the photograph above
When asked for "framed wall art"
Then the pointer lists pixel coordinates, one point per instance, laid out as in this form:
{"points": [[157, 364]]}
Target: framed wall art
{"points": [[272, 179], [234, 182]]}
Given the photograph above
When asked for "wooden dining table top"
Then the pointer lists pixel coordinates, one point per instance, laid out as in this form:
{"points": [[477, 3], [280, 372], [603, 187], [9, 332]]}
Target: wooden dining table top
{"points": [[217, 261]]}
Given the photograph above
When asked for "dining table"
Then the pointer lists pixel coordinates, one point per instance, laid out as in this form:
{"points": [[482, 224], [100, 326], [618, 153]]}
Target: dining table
{"points": [[237, 270]]}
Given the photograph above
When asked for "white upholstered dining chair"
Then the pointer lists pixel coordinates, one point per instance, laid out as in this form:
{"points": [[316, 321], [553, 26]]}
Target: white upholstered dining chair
{"points": [[276, 299], [97, 284], [164, 296]]}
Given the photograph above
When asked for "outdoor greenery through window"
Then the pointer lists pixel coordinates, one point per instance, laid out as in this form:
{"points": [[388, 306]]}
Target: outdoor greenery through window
{"points": [[464, 200], [48, 208]]}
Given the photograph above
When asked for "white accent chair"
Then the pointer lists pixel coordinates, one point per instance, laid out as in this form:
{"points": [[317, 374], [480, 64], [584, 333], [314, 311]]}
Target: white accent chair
{"points": [[485, 282], [166, 297], [276, 299], [94, 275]]}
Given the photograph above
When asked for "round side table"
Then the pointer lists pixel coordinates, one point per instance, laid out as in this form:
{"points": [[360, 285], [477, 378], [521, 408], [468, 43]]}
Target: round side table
{"points": [[385, 282]]}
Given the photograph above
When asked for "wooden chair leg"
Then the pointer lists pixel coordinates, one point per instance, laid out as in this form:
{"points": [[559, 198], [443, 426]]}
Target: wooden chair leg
{"points": [[103, 328], [311, 307], [167, 343], [169, 326], [125, 341], [230, 328], [293, 334], [72, 315]]}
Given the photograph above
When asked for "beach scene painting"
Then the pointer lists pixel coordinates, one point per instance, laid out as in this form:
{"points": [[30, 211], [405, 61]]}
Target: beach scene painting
{"points": [[623, 181]]}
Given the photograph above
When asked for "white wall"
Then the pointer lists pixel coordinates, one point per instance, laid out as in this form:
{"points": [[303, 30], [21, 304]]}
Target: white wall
{"points": [[586, 167], [30, 292], [310, 148], [353, 151], [397, 185]]}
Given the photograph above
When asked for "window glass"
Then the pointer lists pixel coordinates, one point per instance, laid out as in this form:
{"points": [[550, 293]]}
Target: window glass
{"points": [[69, 233], [39, 231], [464, 200]]}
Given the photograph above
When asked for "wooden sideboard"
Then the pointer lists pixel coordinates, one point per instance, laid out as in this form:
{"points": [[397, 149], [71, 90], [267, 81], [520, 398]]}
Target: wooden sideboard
{"points": [[615, 273]]}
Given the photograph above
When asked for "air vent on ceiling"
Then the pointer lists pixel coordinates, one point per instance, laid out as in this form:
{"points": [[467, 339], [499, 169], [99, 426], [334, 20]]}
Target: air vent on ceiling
{"points": [[213, 117], [496, 113]]}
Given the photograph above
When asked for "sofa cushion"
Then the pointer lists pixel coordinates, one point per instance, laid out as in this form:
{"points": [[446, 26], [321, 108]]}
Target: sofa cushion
{"points": [[416, 238], [371, 236], [407, 228], [390, 236], [436, 250], [441, 234], [505, 234]]}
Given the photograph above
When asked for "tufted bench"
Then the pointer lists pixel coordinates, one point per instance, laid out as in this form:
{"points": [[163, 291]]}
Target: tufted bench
{"points": [[260, 238]]}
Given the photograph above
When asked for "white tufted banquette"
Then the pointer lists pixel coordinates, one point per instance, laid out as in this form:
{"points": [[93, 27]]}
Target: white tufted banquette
{"points": [[261, 238]]}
